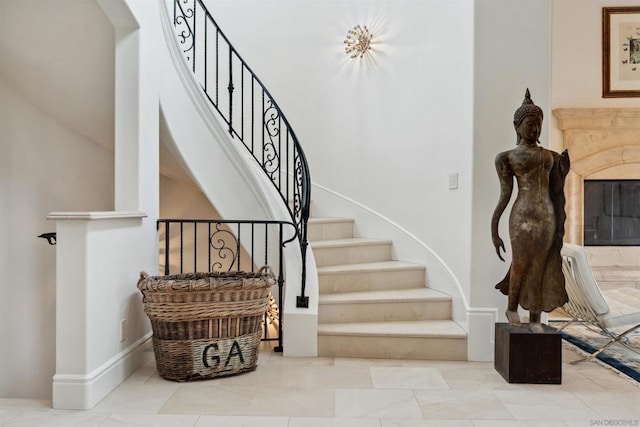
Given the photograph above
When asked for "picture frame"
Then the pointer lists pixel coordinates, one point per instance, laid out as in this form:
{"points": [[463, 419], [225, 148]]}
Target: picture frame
{"points": [[621, 52]]}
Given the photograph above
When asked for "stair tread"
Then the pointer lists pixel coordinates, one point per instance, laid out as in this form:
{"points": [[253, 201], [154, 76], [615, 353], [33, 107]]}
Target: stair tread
{"points": [[355, 241], [370, 267], [417, 328], [385, 296]]}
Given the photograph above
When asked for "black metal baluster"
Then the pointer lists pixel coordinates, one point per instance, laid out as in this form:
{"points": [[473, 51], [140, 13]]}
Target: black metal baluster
{"points": [[288, 170], [278, 349], [266, 244], [206, 55], [279, 151], [166, 248], [263, 129], [209, 246], [195, 247], [230, 91], [242, 102], [217, 65], [238, 247], [253, 238], [181, 246], [253, 111], [195, 4]]}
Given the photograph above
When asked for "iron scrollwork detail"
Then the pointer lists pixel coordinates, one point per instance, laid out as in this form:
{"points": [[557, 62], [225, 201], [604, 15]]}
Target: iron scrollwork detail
{"points": [[271, 157], [225, 243], [184, 31]]}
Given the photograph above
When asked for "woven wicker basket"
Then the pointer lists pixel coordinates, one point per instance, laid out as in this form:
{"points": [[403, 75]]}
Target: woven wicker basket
{"points": [[206, 325]]}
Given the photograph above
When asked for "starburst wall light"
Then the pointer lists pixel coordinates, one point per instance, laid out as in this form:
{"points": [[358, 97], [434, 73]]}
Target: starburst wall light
{"points": [[358, 41]]}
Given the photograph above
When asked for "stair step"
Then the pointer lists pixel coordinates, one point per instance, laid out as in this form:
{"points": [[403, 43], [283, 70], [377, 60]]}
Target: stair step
{"points": [[329, 229], [350, 251], [371, 277], [423, 340], [384, 306]]}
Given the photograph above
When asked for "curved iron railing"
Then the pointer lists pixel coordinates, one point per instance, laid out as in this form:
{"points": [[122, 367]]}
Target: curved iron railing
{"points": [[249, 110]]}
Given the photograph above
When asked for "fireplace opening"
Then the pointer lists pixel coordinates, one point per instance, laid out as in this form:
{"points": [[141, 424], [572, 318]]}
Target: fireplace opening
{"points": [[611, 212]]}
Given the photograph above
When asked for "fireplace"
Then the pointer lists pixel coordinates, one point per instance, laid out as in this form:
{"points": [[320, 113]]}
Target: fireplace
{"points": [[611, 212], [604, 144]]}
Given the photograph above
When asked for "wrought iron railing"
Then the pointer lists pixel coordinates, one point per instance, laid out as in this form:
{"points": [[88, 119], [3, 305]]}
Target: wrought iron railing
{"points": [[201, 245], [249, 111]]}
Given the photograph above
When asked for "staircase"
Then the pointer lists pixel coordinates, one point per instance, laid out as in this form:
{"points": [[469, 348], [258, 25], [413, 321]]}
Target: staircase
{"points": [[371, 306]]}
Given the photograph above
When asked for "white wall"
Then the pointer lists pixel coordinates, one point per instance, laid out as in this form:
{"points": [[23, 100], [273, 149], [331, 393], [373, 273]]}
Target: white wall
{"points": [[44, 166], [385, 131]]}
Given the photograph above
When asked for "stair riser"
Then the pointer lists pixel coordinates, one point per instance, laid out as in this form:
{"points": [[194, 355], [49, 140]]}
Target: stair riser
{"points": [[384, 312], [330, 231], [384, 347], [352, 254], [371, 281]]}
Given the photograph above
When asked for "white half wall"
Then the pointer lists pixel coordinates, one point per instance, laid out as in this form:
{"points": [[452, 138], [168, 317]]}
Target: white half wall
{"points": [[44, 166]]}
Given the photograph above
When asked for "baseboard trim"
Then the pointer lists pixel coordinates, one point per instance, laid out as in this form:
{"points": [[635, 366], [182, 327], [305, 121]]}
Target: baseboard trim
{"points": [[77, 391], [480, 334]]}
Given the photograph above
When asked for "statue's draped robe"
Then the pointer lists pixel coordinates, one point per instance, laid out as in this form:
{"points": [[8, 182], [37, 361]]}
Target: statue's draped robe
{"points": [[552, 290]]}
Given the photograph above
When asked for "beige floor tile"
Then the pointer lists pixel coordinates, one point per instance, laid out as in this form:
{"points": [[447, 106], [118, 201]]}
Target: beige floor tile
{"points": [[599, 421], [278, 358], [333, 422], [53, 418], [241, 421], [426, 423], [612, 404], [137, 398], [407, 378], [472, 377], [272, 375], [150, 420], [143, 374], [356, 361], [354, 403], [6, 415], [22, 404], [461, 404], [294, 402], [334, 377], [206, 399], [544, 405], [518, 423]]}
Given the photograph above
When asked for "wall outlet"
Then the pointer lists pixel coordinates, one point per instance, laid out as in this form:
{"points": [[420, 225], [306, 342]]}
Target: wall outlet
{"points": [[123, 329]]}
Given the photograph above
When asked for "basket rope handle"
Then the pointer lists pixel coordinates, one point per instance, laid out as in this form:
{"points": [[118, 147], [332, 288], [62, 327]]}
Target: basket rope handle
{"points": [[143, 275], [266, 270]]}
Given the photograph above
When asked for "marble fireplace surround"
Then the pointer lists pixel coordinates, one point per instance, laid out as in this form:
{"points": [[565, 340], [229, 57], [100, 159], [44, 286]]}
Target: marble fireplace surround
{"points": [[603, 143]]}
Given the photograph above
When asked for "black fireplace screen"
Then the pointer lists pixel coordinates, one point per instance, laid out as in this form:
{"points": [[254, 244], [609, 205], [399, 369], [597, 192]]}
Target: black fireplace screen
{"points": [[612, 212]]}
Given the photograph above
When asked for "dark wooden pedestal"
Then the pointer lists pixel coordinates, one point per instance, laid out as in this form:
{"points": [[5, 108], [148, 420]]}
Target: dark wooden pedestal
{"points": [[522, 356]]}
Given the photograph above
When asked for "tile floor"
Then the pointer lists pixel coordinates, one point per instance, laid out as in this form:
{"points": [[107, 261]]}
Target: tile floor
{"points": [[341, 392]]}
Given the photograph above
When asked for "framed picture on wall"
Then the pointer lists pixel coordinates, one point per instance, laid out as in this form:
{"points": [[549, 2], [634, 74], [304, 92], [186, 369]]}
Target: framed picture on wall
{"points": [[621, 52]]}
